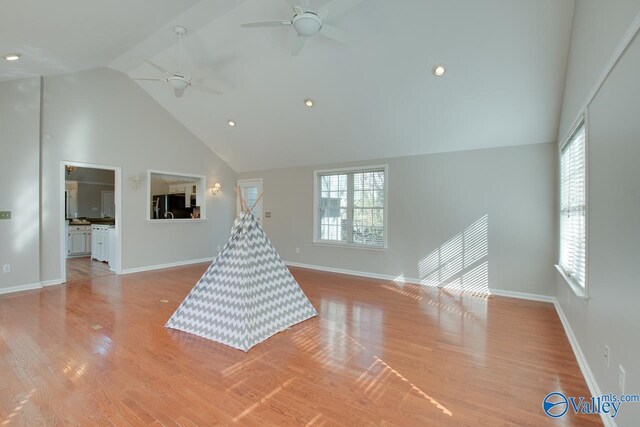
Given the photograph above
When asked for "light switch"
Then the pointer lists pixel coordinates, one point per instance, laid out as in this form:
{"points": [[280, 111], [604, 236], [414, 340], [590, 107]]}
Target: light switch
{"points": [[5, 214]]}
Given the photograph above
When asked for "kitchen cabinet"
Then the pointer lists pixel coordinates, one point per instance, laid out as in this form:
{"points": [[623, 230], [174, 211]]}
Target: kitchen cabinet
{"points": [[100, 242], [78, 240]]}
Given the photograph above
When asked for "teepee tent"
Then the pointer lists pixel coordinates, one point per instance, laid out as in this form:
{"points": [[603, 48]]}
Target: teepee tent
{"points": [[246, 295]]}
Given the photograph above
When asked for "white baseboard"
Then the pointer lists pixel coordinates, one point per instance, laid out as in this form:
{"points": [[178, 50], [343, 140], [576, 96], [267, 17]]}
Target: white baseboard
{"points": [[582, 361], [414, 281], [20, 288], [523, 295], [352, 272], [167, 265], [53, 282]]}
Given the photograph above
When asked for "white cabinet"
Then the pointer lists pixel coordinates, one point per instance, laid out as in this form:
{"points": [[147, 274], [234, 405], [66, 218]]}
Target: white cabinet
{"points": [[78, 240], [177, 188], [100, 242]]}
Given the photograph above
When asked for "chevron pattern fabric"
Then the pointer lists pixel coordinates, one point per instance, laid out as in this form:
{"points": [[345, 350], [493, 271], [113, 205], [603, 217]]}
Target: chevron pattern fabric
{"points": [[246, 295]]}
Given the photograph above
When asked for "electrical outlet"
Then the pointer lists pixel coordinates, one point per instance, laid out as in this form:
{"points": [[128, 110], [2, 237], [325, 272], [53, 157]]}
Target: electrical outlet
{"points": [[5, 215], [6, 268], [297, 250], [606, 355], [621, 379]]}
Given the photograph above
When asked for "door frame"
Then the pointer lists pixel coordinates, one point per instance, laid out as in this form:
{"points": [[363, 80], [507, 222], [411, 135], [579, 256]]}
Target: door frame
{"points": [[63, 217], [261, 189]]}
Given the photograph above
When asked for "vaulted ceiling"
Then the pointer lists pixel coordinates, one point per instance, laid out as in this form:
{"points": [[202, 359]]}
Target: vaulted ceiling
{"points": [[375, 97]]}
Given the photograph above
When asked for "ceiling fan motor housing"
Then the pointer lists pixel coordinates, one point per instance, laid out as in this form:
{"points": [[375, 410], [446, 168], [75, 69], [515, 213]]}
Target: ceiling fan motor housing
{"points": [[178, 82], [307, 24]]}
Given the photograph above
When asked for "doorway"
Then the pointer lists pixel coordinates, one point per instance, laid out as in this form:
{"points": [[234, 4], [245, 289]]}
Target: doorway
{"points": [[251, 190], [90, 221]]}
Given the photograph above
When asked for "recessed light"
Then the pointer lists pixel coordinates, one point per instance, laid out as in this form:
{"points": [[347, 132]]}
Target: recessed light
{"points": [[232, 123], [308, 102], [439, 70], [12, 56]]}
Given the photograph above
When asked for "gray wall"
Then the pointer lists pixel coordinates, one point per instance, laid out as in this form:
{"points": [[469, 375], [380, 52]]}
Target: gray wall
{"points": [[598, 26], [101, 117], [90, 199], [610, 316], [432, 199], [19, 175], [97, 117]]}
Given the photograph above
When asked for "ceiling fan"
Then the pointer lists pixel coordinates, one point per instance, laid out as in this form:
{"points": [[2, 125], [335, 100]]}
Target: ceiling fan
{"points": [[308, 23], [178, 81]]}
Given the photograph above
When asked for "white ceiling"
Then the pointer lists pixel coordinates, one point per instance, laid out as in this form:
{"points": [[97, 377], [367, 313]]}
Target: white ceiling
{"points": [[375, 98], [69, 35]]}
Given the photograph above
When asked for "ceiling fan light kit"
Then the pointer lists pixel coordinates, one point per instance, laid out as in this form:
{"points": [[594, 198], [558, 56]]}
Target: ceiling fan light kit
{"points": [[178, 81], [308, 23]]}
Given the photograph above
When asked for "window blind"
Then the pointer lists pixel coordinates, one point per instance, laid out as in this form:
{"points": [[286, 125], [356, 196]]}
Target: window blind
{"points": [[351, 206], [573, 206]]}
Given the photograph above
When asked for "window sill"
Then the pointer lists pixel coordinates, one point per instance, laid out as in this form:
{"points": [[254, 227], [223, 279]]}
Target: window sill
{"points": [[350, 246], [577, 290], [178, 220]]}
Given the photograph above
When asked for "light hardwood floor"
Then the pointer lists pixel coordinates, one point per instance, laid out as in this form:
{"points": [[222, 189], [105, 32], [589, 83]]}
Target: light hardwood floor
{"points": [[95, 352], [82, 268]]}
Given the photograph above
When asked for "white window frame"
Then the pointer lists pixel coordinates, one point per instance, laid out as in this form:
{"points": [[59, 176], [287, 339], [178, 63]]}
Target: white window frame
{"points": [[579, 291], [316, 208]]}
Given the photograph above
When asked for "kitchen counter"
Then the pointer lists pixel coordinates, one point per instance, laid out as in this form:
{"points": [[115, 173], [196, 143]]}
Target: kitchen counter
{"points": [[89, 221]]}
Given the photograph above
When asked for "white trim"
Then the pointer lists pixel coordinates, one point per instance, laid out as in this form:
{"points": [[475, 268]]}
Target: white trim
{"points": [[316, 187], [582, 361], [336, 244], [523, 295], [260, 184], [117, 188], [577, 289], [20, 288], [350, 272], [176, 220], [53, 282], [167, 265], [611, 63], [414, 281], [583, 120]]}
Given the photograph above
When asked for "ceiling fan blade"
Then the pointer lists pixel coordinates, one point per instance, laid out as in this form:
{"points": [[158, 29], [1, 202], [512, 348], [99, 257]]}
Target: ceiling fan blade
{"points": [[148, 80], [266, 24], [297, 44], [206, 89], [336, 7], [335, 33], [157, 67], [178, 92]]}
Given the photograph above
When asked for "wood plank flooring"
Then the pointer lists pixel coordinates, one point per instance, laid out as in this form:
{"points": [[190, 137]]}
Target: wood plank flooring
{"points": [[85, 268], [95, 352]]}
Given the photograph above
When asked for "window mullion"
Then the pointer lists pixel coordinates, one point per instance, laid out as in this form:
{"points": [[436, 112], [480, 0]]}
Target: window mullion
{"points": [[350, 207]]}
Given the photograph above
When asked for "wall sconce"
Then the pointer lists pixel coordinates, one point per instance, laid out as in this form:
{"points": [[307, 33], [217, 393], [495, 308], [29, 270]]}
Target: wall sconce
{"points": [[134, 182], [215, 189]]}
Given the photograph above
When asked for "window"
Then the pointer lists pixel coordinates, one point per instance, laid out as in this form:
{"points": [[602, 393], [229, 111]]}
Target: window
{"points": [[350, 207], [573, 204]]}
